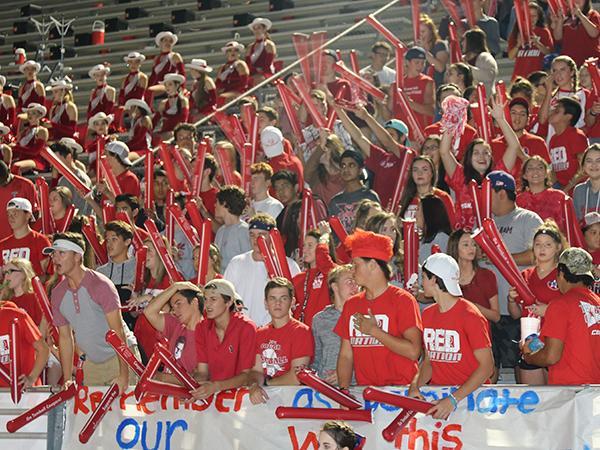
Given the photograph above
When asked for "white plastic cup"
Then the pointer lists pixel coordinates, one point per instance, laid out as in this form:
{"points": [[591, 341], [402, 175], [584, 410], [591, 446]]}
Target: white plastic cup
{"points": [[529, 326]]}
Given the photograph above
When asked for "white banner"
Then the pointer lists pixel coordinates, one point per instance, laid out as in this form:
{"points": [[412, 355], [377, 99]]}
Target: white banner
{"points": [[491, 418]]}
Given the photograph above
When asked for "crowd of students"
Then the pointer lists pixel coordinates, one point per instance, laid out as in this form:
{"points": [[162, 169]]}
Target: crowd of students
{"points": [[345, 309]]}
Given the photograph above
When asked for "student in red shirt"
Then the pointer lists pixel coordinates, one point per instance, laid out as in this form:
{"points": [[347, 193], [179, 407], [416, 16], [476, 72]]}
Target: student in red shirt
{"points": [[178, 326], [283, 346], [117, 155], [455, 336], [225, 342], [537, 195], [529, 57], [271, 139], [12, 186], [530, 143], [24, 242], [380, 327], [418, 87], [312, 292], [567, 143], [32, 347], [571, 329]]}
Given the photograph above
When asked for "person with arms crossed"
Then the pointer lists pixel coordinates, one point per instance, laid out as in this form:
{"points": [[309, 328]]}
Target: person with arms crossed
{"points": [[458, 350], [380, 327]]}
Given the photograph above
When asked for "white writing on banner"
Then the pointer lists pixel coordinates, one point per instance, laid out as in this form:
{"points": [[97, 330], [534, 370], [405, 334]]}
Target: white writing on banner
{"points": [[492, 417]]}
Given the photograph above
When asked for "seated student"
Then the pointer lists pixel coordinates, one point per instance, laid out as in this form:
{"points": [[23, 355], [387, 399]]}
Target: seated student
{"points": [[67, 150], [23, 241], [60, 199], [32, 347], [455, 336], [283, 346], [232, 237], [178, 326], [341, 286], [571, 329], [117, 155], [380, 327], [225, 342]]}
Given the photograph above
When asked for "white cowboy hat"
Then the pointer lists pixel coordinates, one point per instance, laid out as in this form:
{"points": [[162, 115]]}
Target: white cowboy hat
{"points": [[164, 34], [233, 45], [100, 116], [139, 103], [4, 129], [20, 51], [61, 84], [199, 64], [97, 69], [178, 78], [30, 63], [36, 107], [261, 21], [71, 143], [134, 56]]}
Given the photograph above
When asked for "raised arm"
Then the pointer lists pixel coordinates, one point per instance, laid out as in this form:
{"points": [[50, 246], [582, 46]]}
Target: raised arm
{"points": [[447, 156], [363, 143], [513, 146]]}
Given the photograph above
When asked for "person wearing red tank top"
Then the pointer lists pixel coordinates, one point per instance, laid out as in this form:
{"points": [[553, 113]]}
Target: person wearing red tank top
{"points": [[135, 82], [262, 52], [548, 244], [167, 61], [203, 96], [32, 90], [571, 329], [455, 336], [140, 131], [174, 109], [233, 76], [102, 97], [8, 108], [63, 113], [32, 138], [418, 87]]}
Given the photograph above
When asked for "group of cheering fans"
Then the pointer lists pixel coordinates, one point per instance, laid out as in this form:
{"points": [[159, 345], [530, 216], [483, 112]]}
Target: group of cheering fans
{"points": [[345, 309]]}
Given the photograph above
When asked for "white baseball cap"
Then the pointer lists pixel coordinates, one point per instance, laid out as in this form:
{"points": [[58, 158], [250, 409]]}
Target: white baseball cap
{"points": [[120, 149], [590, 219], [63, 245], [20, 203], [445, 267], [271, 139]]}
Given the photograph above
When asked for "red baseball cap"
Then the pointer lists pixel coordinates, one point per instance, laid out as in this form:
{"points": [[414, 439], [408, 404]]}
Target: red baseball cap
{"points": [[366, 244]]}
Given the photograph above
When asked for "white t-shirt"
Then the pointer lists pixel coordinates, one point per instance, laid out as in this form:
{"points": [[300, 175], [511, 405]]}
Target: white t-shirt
{"points": [[249, 278], [269, 205], [386, 75]]}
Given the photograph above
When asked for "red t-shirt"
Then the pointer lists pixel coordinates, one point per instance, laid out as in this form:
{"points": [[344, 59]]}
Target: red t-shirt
{"points": [[469, 134], [450, 339], [232, 356], [564, 149], [29, 247], [532, 145], [386, 170], [530, 58], [573, 318], [547, 204], [396, 312], [414, 88], [18, 187], [464, 208], [28, 335], [129, 183], [291, 163], [546, 289], [30, 304], [577, 43], [482, 287], [411, 210], [182, 342], [278, 347]]}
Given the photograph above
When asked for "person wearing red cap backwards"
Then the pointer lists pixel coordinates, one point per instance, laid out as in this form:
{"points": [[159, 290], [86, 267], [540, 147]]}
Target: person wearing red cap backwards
{"points": [[24, 242], [380, 327], [530, 143], [458, 350], [571, 329], [225, 342], [282, 346]]}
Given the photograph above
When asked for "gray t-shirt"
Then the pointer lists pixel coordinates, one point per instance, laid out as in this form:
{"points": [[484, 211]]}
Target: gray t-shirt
{"points": [[78, 201], [517, 229], [344, 204], [232, 240], [121, 274], [585, 199]]}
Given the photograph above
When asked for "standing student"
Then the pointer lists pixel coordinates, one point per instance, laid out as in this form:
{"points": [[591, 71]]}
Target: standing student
{"points": [[455, 335], [232, 236], [586, 195], [571, 329], [578, 33], [381, 326], [260, 183]]}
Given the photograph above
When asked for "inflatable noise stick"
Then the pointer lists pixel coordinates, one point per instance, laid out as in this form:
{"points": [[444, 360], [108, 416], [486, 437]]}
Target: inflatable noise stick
{"points": [[310, 378], [355, 415]]}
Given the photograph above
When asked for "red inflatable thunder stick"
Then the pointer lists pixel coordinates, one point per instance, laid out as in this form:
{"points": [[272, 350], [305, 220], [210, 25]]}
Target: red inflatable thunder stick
{"points": [[482, 116], [482, 199], [44, 303], [100, 143], [162, 251], [92, 238], [92, 423], [286, 99], [280, 256], [359, 81], [149, 178], [384, 31], [354, 415], [416, 20], [455, 50], [140, 266], [203, 257], [523, 21], [182, 222], [410, 407], [43, 193], [407, 161], [308, 218], [411, 252], [416, 131], [268, 257], [199, 168], [317, 40], [573, 231], [109, 176], [56, 163], [591, 65], [310, 378], [301, 43], [490, 241], [16, 388], [303, 91]]}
